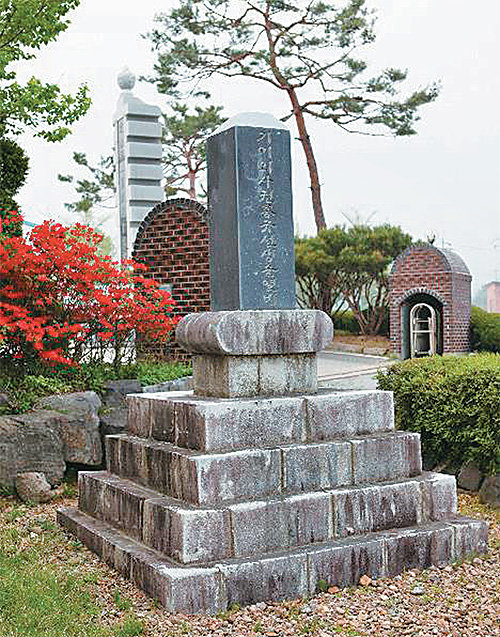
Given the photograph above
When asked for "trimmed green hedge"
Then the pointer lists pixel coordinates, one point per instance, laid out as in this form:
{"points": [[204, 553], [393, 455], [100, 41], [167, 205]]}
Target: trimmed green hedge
{"points": [[454, 403], [485, 330]]}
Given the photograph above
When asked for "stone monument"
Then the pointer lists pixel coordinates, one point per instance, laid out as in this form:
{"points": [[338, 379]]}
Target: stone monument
{"points": [[138, 152], [256, 486]]}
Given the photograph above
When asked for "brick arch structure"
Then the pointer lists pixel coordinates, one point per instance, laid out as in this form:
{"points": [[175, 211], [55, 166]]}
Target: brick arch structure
{"points": [[172, 241], [429, 271]]}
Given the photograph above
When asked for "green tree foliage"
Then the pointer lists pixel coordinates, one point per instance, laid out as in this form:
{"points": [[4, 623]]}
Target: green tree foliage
{"points": [[96, 191], [184, 135], [25, 27], [485, 330], [351, 266], [13, 171], [305, 49]]}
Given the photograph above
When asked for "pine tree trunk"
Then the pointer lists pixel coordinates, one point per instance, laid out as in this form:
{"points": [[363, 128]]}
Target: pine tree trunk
{"points": [[319, 216], [192, 185]]}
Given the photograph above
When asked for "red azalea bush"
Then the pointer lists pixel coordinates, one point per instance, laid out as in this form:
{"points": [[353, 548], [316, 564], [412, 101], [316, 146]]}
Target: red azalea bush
{"points": [[62, 302]]}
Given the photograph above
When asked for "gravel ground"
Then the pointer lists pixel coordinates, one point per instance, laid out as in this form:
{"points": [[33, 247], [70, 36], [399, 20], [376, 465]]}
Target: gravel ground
{"points": [[462, 600]]}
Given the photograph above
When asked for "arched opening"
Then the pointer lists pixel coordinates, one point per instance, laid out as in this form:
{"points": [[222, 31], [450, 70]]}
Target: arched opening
{"points": [[422, 330], [422, 326]]}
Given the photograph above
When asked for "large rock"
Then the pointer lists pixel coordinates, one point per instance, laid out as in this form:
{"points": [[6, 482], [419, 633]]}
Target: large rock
{"points": [[490, 491], [33, 487], [78, 425], [470, 477], [117, 391], [30, 443]]}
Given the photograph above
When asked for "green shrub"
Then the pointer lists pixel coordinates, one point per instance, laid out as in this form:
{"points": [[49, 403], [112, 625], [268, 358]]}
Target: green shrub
{"points": [[454, 403], [345, 321], [485, 330], [23, 391], [13, 171]]}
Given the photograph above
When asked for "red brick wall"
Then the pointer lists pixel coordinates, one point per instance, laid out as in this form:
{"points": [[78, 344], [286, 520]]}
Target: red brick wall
{"points": [[442, 275], [173, 242]]}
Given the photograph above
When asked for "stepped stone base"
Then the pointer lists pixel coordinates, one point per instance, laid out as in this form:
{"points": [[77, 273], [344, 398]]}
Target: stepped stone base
{"points": [[190, 534], [281, 575], [207, 502]]}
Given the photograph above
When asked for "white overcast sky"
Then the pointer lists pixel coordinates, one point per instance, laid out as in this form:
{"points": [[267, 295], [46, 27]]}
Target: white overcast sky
{"points": [[443, 181]]}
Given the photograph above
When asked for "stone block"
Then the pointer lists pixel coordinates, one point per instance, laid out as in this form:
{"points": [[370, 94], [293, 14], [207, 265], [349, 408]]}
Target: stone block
{"points": [[139, 415], [266, 526], [211, 479], [317, 466], [291, 374], [439, 496], [219, 425], [266, 579], [255, 332], [147, 462], [376, 507], [344, 562], [189, 590], [115, 500], [333, 415], [78, 420], [386, 457], [226, 376], [188, 535], [470, 537], [418, 548], [112, 444], [243, 376], [155, 471]]}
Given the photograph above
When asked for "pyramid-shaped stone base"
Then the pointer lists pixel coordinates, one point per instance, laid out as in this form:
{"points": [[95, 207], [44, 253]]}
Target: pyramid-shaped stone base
{"points": [[208, 502]]}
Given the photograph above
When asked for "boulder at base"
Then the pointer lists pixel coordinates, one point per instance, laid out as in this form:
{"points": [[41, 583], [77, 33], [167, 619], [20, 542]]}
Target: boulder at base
{"points": [[490, 491], [78, 418], [33, 487], [31, 443]]}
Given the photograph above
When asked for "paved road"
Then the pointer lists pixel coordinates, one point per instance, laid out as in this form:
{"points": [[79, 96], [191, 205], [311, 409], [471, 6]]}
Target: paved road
{"points": [[349, 371]]}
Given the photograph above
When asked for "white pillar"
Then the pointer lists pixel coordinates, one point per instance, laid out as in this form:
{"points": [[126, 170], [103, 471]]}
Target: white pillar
{"points": [[138, 151]]}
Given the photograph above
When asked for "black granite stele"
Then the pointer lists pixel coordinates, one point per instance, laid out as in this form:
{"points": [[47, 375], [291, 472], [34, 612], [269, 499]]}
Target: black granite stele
{"points": [[250, 215]]}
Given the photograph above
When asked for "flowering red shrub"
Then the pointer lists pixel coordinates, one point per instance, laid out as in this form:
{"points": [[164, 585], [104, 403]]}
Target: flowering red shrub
{"points": [[61, 301]]}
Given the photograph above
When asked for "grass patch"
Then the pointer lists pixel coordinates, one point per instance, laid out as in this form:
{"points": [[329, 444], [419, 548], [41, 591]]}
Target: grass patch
{"points": [[46, 588]]}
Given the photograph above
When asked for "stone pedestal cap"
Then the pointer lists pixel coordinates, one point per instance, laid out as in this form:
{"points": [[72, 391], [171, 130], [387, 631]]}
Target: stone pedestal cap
{"points": [[255, 332]]}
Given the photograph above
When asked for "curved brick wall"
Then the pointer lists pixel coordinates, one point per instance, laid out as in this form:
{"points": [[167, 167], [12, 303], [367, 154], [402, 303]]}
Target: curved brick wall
{"points": [[441, 274], [172, 241]]}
